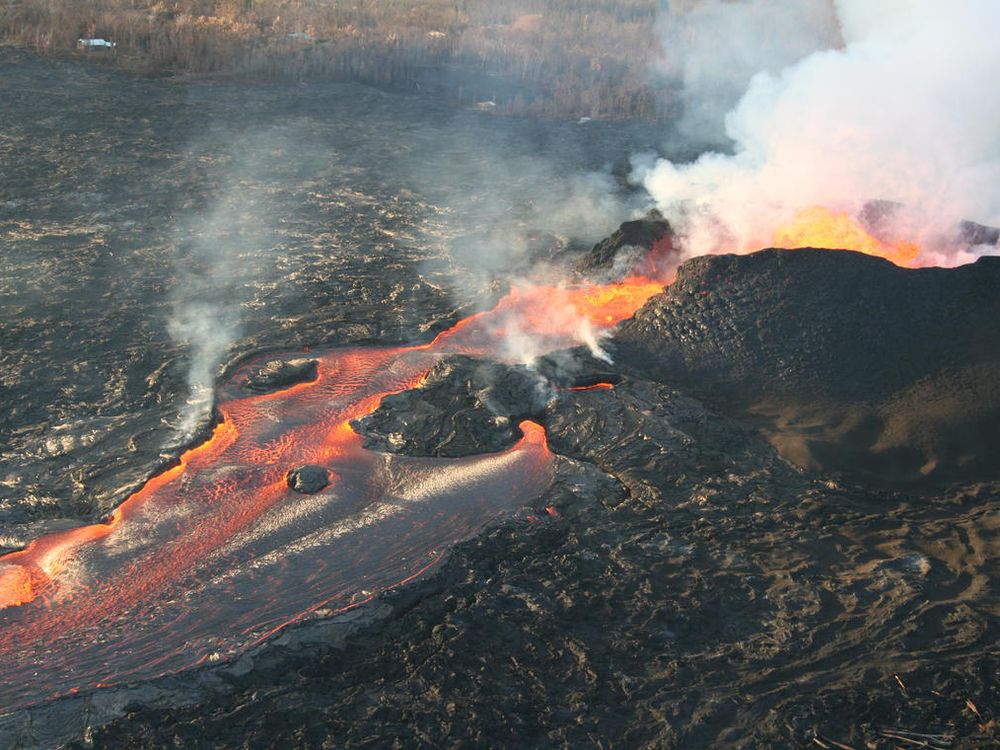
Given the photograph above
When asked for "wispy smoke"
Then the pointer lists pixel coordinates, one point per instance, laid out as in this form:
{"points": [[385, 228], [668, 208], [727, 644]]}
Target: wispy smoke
{"points": [[711, 50], [208, 329], [902, 112], [530, 194], [498, 195], [522, 337], [213, 266]]}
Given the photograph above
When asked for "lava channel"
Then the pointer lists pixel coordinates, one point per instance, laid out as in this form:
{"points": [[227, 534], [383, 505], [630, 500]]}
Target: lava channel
{"points": [[218, 553]]}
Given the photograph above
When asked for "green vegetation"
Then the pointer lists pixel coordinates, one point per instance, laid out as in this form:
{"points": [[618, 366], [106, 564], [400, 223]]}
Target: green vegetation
{"points": [[565, 58]]}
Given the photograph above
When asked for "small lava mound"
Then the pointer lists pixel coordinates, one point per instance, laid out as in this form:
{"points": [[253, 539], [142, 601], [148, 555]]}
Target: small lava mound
{"points": [[643, 241], [847, 362], [280, 373], [308, 479], [464, 407]]}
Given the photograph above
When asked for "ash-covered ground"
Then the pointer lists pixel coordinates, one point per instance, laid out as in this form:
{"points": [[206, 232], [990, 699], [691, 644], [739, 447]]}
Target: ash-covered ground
{"points": [[714, 565]]}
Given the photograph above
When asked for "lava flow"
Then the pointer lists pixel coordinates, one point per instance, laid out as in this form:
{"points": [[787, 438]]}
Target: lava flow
{"points": [[820, 227], [217, 553]]}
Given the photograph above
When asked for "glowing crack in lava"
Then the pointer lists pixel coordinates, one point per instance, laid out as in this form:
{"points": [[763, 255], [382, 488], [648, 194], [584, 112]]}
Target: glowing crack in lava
{"points": [[217, 553], [822, 228]]}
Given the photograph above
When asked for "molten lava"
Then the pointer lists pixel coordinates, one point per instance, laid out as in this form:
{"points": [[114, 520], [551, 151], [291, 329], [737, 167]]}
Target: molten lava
{"points": [[594, 387], [532, 320], [217, 553], [822, 228]]}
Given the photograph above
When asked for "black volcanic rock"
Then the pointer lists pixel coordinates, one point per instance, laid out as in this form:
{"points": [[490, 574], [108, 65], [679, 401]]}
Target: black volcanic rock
{"points": [[628, 244], [308, 479], [978, 234], [693, 592], [576, 368], [464, 407], [281, 373], [848, 362]]}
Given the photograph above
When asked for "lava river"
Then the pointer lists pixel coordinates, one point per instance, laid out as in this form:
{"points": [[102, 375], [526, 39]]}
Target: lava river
{"points": [[217, 553]]}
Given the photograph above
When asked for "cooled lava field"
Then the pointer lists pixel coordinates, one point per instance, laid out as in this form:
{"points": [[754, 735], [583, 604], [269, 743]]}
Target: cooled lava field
{"points": [[749, 504]]}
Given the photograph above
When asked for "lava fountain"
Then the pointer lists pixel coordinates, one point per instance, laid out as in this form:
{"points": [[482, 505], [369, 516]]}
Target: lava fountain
{"points": [[217, 553], [820, 227]]}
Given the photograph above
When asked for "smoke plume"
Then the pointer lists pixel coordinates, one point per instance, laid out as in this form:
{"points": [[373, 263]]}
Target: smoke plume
{"points": [[509, 201], [214, 264], [712, 49], [901, 113]]}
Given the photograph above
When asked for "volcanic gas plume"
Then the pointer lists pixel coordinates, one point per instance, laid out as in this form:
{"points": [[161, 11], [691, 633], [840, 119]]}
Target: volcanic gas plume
{"points": [[896, 115], [218, 552]]}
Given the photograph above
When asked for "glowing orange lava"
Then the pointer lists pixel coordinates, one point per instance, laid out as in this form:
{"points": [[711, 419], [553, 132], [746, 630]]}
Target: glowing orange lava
{"points": [[594, 387], [822, 228], [611, 303], [217, 552], [533, 320]]}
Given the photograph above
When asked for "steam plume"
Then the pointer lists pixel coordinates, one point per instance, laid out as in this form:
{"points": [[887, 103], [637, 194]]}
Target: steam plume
{"points": [[494, 193], [712, 49], [214, 266], [902, 112]]}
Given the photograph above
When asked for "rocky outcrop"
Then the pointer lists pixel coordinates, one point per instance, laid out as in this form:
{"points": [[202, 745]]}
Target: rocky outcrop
{"points": [[463, 407], [643, 241], [845, 362], [308, 479], [281, 373]]}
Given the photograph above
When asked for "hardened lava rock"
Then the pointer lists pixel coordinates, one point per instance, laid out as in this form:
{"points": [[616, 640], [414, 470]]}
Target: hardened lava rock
{"points": [[679, 585], [847, 362], [631, 242], [674, 569], [280, 373], [463, 407], [308, 479]]}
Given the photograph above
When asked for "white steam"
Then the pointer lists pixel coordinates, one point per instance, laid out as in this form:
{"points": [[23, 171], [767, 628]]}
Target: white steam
{"points": [[711, 50], [522, 344], [903, 112], [217, 262], [208, 330], [501, 197], [520, 337]]}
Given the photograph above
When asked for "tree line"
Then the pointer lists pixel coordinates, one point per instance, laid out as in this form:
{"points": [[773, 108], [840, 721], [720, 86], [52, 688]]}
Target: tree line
{"points": [[560, 58]]}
